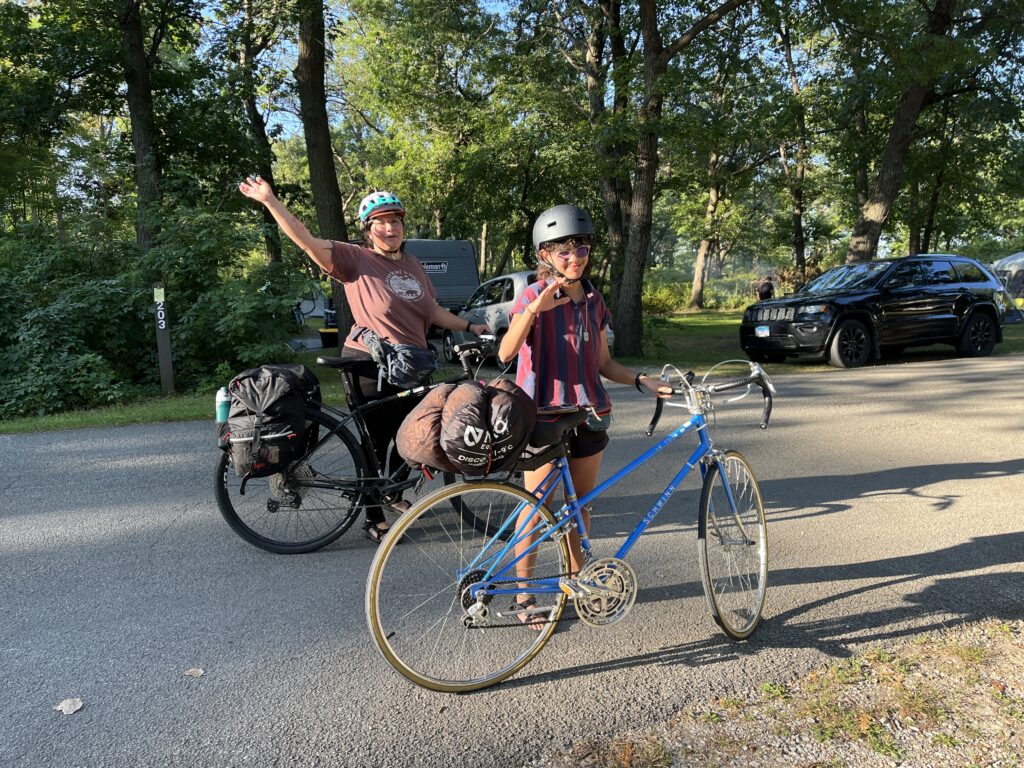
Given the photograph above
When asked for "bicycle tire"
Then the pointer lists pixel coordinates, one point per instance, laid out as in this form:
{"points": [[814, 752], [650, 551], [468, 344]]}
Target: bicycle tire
{"points": [[414, 594], [290, 512], [483, 522], [733, 546]]}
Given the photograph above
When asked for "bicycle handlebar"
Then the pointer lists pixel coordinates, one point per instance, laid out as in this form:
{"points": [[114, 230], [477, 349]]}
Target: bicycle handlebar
{"points": [[757, 377]]}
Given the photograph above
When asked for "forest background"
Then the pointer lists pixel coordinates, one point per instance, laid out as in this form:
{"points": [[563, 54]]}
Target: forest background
{"points": [[713, 142]]}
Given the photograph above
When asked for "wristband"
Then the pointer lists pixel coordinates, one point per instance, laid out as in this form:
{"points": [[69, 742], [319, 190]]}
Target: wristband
{"points": [[469, 327], [527, 309], [636, 382]]}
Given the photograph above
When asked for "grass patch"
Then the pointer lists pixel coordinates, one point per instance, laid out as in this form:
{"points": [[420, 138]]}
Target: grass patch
{"points": [[692, 340]]}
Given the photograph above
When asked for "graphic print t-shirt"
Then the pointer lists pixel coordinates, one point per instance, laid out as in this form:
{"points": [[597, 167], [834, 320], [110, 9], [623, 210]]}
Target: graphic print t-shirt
{"points": [[395, 299]]}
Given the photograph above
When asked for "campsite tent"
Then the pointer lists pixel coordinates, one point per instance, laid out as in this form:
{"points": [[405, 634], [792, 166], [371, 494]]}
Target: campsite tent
{"points": [[1011, 271]]}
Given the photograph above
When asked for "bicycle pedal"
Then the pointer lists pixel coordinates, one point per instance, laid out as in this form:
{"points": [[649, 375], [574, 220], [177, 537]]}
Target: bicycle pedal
{"points": [[571, 587]]}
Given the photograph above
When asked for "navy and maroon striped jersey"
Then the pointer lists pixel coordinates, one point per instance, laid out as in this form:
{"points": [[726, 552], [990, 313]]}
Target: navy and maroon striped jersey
{"points": [[558, 362]]}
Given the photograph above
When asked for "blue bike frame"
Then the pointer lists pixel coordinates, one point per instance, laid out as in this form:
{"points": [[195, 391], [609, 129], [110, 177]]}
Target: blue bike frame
{"points": [[571, 513]]}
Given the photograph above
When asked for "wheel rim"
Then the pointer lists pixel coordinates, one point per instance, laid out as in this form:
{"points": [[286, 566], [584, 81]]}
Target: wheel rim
{"points": [[981, 335], [449, 348], [416, 595], [853, 344], [734, 551]]}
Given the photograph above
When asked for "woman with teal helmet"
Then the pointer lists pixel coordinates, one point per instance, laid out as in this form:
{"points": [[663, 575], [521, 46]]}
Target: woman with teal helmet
{"points": [[389, 294]]}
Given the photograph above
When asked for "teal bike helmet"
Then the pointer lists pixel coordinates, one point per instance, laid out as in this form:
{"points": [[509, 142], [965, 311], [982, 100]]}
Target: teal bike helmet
{"points": [[378, 203]]}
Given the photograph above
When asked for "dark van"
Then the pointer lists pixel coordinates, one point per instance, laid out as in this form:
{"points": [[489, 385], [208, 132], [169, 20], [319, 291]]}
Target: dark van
{"points": [[451, 267]]}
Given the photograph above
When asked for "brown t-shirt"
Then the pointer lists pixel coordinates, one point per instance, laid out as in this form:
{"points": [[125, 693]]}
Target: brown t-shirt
{"points": [[395, 299]]}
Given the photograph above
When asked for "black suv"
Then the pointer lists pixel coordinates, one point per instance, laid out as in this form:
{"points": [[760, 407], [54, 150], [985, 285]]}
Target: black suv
{"points": [[860, 311]]}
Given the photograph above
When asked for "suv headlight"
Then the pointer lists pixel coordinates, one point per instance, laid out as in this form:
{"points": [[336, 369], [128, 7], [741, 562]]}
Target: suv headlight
{"points": [[812, 309]]}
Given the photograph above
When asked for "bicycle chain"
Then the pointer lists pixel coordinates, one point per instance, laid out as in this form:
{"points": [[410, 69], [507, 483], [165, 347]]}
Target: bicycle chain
{"points": [[518, 623]]}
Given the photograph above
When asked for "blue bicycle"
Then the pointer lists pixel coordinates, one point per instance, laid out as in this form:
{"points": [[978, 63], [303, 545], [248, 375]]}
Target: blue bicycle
{"points": [[453, 609]]}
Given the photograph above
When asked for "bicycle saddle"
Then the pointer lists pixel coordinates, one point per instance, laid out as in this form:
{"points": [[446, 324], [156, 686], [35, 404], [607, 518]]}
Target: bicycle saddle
{"points": [[554, 423]]}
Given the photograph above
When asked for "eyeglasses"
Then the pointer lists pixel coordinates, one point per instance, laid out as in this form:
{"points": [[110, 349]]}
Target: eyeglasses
{"points": [[382, 221], [580, 252]]}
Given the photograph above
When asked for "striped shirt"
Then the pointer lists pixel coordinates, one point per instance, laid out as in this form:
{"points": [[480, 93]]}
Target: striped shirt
{"points": [[558, 362]]}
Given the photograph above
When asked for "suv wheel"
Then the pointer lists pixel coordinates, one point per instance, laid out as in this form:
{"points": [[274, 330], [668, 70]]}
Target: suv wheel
{"points": [[851, 345], [448, 347], [979, 336]]}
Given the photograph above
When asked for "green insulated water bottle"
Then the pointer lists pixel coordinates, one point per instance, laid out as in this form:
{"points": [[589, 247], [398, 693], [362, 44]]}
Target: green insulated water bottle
{"points": [[223, 405]]}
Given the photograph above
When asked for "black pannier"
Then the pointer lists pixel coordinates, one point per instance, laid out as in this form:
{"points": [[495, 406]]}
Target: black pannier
{"points": [[266, 426]]}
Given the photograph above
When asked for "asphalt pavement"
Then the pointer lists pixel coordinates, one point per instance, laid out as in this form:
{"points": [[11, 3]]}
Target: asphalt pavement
{"points": [[894, 496]]}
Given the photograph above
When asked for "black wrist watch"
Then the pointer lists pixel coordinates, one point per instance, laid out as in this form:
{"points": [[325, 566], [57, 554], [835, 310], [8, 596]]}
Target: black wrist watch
{"points": [[469, 327], [636, 382]]}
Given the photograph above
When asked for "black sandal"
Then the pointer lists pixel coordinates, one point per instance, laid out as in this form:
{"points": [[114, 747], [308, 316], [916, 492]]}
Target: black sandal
{"points": [[532, 621], [374, 532]]}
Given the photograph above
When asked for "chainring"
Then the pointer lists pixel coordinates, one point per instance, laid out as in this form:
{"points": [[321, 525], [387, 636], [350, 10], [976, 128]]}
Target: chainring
{"points": [[609, 588]]}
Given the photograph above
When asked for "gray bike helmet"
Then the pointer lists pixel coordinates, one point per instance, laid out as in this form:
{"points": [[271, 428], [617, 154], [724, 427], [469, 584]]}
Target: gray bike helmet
{"points": [[561, 222]]}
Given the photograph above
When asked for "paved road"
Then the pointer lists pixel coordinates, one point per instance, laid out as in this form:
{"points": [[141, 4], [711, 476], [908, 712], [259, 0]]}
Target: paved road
{"points": [[895, 504]]}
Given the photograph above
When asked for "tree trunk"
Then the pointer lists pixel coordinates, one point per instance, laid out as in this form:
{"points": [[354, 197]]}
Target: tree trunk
{"points": [[701, 261], [323, 177], [506, 254], [914, 239], [616, 190], [656, 56], [140, 111], [875, 212], [933, 207], [796, 177], [258, 129]]}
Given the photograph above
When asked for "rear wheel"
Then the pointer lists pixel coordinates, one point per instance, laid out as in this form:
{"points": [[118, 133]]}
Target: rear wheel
{"points": [[421, 607], [305, 507], [733, 545], [486, 520], [851, 345], [978, 338]]}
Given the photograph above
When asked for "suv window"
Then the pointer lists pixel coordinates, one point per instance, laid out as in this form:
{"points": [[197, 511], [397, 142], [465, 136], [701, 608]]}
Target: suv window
{"points": [[939, 273], [479, 297], [495, 291], [970, 273], [847, 277]]}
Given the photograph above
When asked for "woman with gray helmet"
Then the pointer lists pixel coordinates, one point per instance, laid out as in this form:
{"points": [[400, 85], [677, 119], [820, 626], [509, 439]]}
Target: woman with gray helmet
{"points": [[558, 329], [389, 294]]}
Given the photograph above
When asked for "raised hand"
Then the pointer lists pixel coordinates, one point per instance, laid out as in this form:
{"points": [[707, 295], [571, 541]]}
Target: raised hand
{"points": [[256, 189]]}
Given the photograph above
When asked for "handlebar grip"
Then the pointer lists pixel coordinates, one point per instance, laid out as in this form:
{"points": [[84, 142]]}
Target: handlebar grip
{"points": [[767, 412], [659, 405]]}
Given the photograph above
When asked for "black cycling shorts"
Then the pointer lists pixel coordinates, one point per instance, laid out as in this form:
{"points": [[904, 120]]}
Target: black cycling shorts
{"points": [[584, 442]]}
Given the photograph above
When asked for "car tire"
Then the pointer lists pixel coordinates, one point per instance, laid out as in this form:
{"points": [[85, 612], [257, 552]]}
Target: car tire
{"points": [[448, 347], [851, 345], [978, 338]]}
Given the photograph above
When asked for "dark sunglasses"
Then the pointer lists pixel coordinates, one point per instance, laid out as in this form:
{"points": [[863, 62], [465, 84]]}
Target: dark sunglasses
{"points": [[580, 252]]}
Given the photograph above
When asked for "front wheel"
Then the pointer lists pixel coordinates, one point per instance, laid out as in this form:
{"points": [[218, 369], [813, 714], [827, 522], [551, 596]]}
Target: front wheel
{"points": [[733, 545], [307, 506], [424, 606], [851, 346], [979, 336]]}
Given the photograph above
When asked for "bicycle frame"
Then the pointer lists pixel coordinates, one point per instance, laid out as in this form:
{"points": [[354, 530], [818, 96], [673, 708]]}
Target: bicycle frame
{"points": [[570, 513]]}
